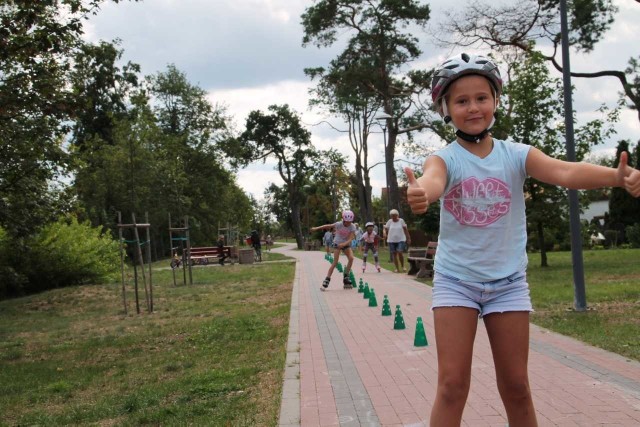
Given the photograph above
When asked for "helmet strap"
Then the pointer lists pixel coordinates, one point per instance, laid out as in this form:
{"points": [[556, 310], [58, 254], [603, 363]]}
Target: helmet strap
{"points": [[472, 138]]}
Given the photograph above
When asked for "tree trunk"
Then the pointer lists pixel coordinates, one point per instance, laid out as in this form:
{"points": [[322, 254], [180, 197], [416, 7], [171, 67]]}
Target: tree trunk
{"points": [[296, 225], [543, 250], [394, 196], [364, 193], [367, 192]]}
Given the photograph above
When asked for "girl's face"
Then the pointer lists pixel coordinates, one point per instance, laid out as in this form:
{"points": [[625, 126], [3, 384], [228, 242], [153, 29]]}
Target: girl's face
{"points": [[471, 103]]}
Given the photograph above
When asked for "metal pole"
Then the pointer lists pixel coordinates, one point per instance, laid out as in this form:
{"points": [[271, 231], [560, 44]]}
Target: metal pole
{"points": [[141, 260], [386, 177], [146, 218], [386, 166], [580, 296], [188, 236]]}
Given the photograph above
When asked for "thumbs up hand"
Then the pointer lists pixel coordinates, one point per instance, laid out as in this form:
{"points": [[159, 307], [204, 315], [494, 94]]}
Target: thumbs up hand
{"points": [[416, 194], [628, 178]]}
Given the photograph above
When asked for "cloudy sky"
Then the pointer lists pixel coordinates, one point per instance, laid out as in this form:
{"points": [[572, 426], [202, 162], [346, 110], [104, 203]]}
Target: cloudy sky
{"points": [[248, 54]]}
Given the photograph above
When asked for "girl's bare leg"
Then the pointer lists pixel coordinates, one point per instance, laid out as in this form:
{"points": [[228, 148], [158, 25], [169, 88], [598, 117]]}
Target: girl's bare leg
{"points": [[336, 259], [349, 254], [509, 338], [455, 329]]}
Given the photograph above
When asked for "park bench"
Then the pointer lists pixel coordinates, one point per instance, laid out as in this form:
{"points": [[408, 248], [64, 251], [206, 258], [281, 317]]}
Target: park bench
{"points": [[203, 255], [421, 260]]}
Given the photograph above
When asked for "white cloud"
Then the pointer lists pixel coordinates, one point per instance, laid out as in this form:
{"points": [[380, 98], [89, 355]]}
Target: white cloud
{"points": [[247, 54]]}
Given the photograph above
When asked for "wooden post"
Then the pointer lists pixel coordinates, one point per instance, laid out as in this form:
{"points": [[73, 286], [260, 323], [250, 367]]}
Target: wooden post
{"points": [[173, 269], [135, 285], [146, 218], [139, 252], [124, 293], [186, 225]]}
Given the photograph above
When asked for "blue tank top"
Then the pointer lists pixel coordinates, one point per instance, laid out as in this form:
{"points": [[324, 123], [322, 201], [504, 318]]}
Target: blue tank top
{"points": [[483, 230]]}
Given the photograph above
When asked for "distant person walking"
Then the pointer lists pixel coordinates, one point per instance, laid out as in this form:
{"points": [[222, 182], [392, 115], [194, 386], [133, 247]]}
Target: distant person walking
{"points": [[327, 240], [398, 239]]}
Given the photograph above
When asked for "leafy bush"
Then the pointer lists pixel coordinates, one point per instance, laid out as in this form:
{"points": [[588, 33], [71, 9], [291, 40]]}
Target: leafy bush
{"points": [[67, 253], [633, 234]]}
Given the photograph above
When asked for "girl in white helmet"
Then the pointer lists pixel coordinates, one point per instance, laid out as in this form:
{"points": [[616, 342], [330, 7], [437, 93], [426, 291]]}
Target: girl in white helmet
{"points": [[369, 242], [345, 232], [480, 266]]}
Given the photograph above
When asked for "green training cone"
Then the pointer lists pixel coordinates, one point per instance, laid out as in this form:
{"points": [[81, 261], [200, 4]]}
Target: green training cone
{"points": [[386, 308], [420, 339], [398, 322], [339, 267], [365, 295], [361, 282], [373, 302], [361, 288]]}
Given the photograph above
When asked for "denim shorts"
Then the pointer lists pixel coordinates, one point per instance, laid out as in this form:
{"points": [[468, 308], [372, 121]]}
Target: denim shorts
{"points": [[498, 296], [397, 247]]}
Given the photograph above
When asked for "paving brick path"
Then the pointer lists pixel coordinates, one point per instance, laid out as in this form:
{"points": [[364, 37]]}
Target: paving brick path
{"points": [[347, 366]]}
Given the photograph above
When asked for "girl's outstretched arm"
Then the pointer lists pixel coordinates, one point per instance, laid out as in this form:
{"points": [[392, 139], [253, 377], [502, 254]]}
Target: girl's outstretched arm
{"points": [[580, 175], [323, 227]]}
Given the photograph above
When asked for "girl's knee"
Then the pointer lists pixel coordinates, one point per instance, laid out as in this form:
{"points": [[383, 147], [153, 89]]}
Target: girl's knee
{"points": [[454, 390], [516, 389]]}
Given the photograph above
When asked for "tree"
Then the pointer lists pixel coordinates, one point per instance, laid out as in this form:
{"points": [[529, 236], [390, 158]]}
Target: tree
{"points": [[38, 42], [520, 25], [376, 53], [163, 158], [328, 188], [100, 91], [280, 135], [534, 109], [340, 90]]}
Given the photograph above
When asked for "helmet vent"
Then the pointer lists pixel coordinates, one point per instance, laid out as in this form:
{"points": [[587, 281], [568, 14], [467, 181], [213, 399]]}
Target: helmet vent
{"points": [[465, 57]]}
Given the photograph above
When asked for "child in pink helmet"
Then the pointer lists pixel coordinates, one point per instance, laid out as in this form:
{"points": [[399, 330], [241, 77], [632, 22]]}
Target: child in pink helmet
{"points": [[345, 233]]}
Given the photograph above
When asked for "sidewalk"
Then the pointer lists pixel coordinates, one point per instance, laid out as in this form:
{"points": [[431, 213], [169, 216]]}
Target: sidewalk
{"points": [[347, 366]]}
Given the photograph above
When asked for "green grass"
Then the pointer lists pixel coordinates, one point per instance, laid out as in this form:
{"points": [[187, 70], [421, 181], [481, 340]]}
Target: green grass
{"points": [[211, 354], [612, 280]]}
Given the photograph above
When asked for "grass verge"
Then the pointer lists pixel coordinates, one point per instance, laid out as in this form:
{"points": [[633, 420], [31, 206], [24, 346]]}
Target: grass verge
{"points": [[612, 280], [211, 354]]}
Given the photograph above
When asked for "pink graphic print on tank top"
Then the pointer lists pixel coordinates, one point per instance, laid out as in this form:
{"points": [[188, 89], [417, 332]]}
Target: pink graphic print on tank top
{"points": [[478, 203]]}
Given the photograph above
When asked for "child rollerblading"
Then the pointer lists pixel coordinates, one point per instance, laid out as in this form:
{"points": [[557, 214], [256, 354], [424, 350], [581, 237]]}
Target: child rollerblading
{"points": [[345, 232], [369, 242]]}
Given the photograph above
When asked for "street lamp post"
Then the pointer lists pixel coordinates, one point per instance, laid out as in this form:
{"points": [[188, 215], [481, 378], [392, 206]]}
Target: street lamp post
{"points": [[580, 295], [382, 120]]}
